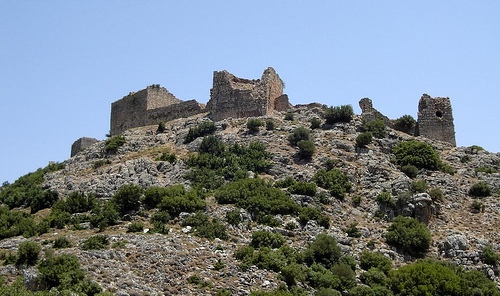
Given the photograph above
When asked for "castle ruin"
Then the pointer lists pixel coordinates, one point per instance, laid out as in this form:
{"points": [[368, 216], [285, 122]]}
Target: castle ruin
{"points": [[230, 96], [236, 97], [435, 119]]}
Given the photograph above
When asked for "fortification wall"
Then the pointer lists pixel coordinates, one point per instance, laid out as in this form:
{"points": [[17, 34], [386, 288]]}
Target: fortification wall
{"points": [[132, 110], [435, 119], [179, 110], [81, 144], [236, 97]]}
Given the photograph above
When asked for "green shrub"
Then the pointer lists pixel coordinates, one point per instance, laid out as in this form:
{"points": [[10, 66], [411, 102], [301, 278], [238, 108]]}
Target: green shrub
{"points": [[352, 230], [127, 198], [346, 275], [315, 123], [376, 127], [419, 186], [489, 256], [95, 242], [374, 277], [270, 125], [311, 213], [167, 156], [28, 253], [28, 187], [465, 159], [254, 124], [487, 170], [15, 222], [135, 227], [303, 188], [153, 196], [234, 217], [64, 273], [323, 250], [76, 202], [203, 129], [477, 206], [113, 143], [299, 134], [178, 200], [418, 154], [43, 200], [342, 113], [62, 242], [269, 220], [267, 239], [306, 149], [356, 200], [410, 170], [212, 145], [364, 139], [368, 260], [436, 194], [409, 235], [204, 227], [257, 197], [430, 277], [285, 183], [104, 215], [333, 180], [293, 273], [99, 163], [406, 124], [289, 116], [480, 189], [209, 170], [161, 128]]}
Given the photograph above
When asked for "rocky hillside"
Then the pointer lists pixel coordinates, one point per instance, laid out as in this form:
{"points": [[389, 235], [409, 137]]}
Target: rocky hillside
{"points": [[180, 261]]}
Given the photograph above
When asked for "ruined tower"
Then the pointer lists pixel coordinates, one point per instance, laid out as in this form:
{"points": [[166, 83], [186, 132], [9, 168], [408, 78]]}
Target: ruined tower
{"points": [[435, 119], [236, 97]]}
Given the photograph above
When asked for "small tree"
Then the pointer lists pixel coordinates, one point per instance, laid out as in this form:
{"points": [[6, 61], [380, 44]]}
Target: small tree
{"points": [[410, 235], [253, 125], [342, 113], [128, 198], [418, 154], [299, 134], [480, 189], [376, 127], [113, 143], [362, 140], [315, 123], [28, 253], [306, 149], [405, 123]]}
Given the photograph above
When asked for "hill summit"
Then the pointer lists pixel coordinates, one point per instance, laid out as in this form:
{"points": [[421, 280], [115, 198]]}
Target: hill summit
{"points": [[283, 200]]}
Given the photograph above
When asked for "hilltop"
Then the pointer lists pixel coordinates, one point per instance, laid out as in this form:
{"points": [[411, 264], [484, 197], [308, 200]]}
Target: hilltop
{"points": [[305, 199]]}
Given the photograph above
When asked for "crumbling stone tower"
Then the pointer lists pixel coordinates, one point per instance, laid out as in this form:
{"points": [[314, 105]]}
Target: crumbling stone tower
{"points": [[236, 97], [435, 119], [149, 106]]}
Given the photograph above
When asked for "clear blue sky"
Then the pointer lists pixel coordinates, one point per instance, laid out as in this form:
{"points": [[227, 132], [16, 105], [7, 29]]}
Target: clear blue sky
{"points": [[62, 63]]}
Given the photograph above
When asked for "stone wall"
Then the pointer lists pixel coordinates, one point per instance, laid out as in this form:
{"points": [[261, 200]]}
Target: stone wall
{"points": [[236, 97], [147, 107], [81, 144], [435, 119]]}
